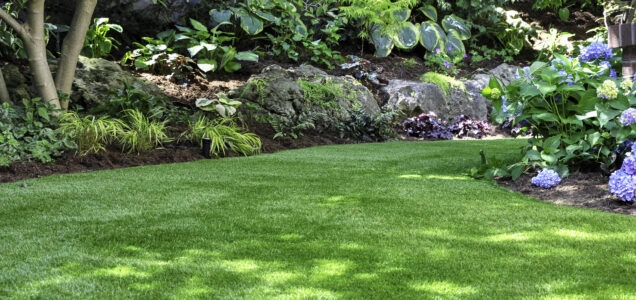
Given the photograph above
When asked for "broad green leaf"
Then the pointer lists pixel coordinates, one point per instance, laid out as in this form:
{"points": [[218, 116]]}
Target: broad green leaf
{"points": [[246, 56], [529, 91], [228, 56], [407, 36], [546, 88], [588, 115], [266, 16], [402, 15], [204, 103], [432, 36], [301, 29], [221, 16], [564, 14], [207, 65], [536, 66], [533, 155], [208, 46], [552, 144], [383, 43], [546, 116], [594, 138], [430, 12], [454, 41], [194, 50], [453, 22], [551, 159], [198, 25], [606, 114], [250, 23]]}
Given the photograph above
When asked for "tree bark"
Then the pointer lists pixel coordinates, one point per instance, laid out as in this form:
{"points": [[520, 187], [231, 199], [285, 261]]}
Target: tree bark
{"points": [[629, 16], [35, 46], [4, 92], [73, 44]]}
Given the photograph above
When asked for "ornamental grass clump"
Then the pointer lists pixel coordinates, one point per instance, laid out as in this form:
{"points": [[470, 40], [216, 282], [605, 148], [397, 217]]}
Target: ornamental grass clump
{"points": [[546, 178]]}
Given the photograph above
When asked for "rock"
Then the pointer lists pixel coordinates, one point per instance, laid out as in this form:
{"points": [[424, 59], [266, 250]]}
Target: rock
{"points": [[306, 90], [16, 83], [96, 79], [413, 97]]}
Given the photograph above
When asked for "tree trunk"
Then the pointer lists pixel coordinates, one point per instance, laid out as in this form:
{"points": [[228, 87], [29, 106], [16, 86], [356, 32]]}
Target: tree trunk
{"points": [[4, 92], [35, 46], [73, 44]]}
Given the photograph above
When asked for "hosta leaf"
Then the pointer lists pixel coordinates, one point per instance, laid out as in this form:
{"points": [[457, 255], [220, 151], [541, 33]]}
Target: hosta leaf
{"points": [[204, 104], [402, 14], [383, 43], [207, 65], [453, 22], [194, 50], [454, 41], [301, 29], [250, 23], [407, 36], [221, 16], [430, 12], [266, 16], [432, 36]]}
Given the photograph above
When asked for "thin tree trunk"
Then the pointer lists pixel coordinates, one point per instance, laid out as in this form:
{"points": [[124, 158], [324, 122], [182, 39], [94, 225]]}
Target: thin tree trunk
{"points": [[629, 15], [73, 44], [36, 51], [4, 92]]}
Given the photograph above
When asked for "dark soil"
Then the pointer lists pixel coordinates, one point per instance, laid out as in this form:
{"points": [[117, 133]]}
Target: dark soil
{"points": [[587, 190]]}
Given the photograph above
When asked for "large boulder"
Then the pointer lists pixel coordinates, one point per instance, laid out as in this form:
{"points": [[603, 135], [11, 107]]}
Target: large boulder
{"points": [[465, 98], [306, 90], [97, 79], [17, 83]]}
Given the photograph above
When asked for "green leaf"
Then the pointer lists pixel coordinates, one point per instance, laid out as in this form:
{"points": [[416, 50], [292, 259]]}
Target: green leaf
{"points": [[432, 36], [552, 144], [453, 22], [606, 114], [551, 159], [546, 89], [250, 23], [564, 14], [246, 56], [194, 50], [198, 25], [402, 15], [266, 16], [533, 155], [407, 36], [546, 116], [383, 43], [454, 40], [207, 65], [430, 12], [221, 16], [204, 104]]}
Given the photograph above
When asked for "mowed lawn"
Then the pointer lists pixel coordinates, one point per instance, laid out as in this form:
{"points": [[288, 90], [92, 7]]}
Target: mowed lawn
{"points": [[398, 220]]}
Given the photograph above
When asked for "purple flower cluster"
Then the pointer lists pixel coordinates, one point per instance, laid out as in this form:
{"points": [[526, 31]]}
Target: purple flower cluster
{"points": [[628, 117], [546, 178], [622, 183], [595, 51], [427, 125]]}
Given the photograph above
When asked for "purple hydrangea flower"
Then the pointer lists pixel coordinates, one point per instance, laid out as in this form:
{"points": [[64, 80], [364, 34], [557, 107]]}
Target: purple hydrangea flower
{"points": [[596, 50], [613, 73], [628, 117], [629, 165], [546, 179], [622, 185]]}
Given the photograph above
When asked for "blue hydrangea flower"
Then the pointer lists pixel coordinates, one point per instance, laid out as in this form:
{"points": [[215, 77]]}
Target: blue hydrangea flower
{"points": [[595, 51], [628, 117], [546, 179], [622, 185], [613, 73], [504, 105], [525, 73], [629, 165]]}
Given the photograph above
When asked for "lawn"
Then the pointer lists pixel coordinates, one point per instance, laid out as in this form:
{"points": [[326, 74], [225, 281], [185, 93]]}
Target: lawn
{"points": [[397, 220]]}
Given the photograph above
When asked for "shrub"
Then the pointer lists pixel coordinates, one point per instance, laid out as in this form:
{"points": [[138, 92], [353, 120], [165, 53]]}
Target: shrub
{"points": [[573, 108]]}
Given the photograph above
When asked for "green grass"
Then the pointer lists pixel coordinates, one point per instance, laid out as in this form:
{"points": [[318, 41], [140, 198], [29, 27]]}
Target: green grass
{"points": [[368, 221]]}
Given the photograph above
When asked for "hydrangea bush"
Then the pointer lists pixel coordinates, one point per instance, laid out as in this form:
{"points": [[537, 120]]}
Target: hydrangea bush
{"points": [[576, 108]]}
